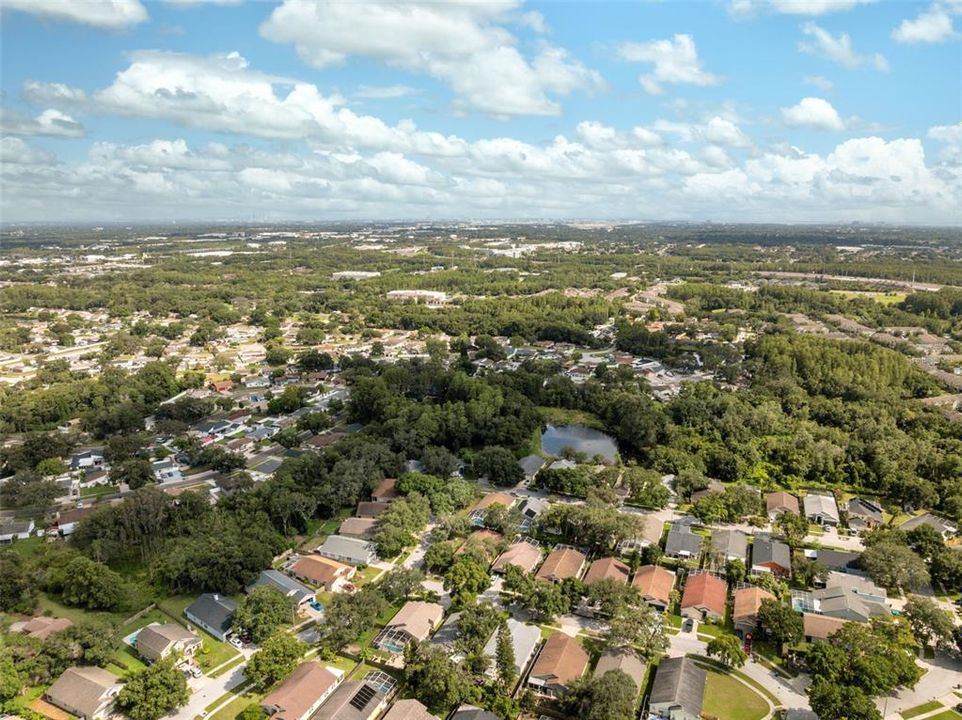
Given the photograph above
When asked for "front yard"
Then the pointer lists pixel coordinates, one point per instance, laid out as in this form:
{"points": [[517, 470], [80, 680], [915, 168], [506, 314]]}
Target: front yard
{"points": [[728, 699]]}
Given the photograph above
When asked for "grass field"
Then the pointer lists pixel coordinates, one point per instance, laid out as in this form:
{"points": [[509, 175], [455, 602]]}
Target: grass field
{"points": [[921, 709], [728, 699], [947, 715], [230, 711], [883, 298]]}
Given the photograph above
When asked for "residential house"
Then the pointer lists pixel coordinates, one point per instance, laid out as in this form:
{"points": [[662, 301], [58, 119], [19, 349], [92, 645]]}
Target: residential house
{"points": [[166, 470], [40, 627], [214, 613], [531, 465], [68, 520], [323, 572], [678, 690], [531, 509], [522, 554], [347, 549], [651, 531], [370, 509], [608, 568], [470, 712], [159, 640], [746, 602], [780, 502], [561, 563], [561, 661], [845, 596], [416, 620], [355, 700], [654, 583], [834, 560], [944, 527], [294, 591], [817, 627], [863, 514], [682, 542], [714, 486], [625, 660], [704, 597], [408, 710], [87, 692], [385, 491], [301, 693], [447, 636], [363, 528], [477, 512], [820, 508], [11, 530], [92, 458], [222, 386], [730, 544], [770, 556], [524, 641]]}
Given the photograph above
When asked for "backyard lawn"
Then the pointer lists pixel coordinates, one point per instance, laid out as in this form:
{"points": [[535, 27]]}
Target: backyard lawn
{"points": [[728, 699]]}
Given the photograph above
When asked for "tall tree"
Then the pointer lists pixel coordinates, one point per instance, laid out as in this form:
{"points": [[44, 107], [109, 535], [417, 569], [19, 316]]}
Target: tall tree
{"points": [[153, 692], [728, 650], [262, 611], [504, 656], [277, 658]]}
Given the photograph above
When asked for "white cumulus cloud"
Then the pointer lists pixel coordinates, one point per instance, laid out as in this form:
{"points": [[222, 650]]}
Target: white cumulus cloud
{"points": [[675, 61], [934, 25], [107, 14], [838, 49], [813, 112]]}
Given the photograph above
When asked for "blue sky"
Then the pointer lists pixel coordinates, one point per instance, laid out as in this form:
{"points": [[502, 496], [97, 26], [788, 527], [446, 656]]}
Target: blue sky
{"points": [[741, 110]]}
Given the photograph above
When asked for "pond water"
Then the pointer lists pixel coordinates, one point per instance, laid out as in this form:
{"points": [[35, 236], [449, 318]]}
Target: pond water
{"points": [[582, 439]]}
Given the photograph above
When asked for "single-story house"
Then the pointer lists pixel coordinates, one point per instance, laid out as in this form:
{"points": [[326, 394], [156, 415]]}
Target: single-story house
{"points": [[11, 530], [714, 486], [845, 596], [678, 690], [682, 542], [355, 700], [561, 563], [290, 588], [561, 661], [94, 457], [524, 640], [531, 509], [863, 514], [158, 640], [821, 508], [301, 693], [363, 528], [87, 692], [770, 556], [322, 571], [68, 520], [166, 470], [780, 502], [385, 491], [40, 627], [730, 543], [819, 627], [477, 512], [522, 554], [370, 509], [608, 568], [944, 527], [447, 635], [408, 710], [745, 604], [654, 583], [416, 620], [834, 560], [704, 597], [531, 465], [627, 661], [347, 549], [214, 613], [470, 712], [651, 531]]}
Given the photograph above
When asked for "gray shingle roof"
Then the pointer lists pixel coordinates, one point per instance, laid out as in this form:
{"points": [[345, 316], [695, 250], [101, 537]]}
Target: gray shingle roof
{"points": [[679, 681]]}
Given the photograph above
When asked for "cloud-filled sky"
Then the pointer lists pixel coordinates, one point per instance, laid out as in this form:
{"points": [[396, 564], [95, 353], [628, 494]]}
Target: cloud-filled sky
{"points": [[727, 110]]}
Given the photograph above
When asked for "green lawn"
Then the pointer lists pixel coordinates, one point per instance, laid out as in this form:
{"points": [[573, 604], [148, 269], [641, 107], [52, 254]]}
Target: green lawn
{"points": [[27, 548], [728, 699], [947, 715], [366, 575], [97, 491], [231, 710], [225, 668], [921, 709], [127, 659], [48, 606]]}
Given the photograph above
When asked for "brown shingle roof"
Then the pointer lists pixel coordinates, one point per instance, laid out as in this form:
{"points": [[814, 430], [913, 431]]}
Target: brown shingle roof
{"points": [[300, 691], [820, 626], [490, 499], [385, 489], [560, 564], [418, 619], [358, 527], [705, 591], [746, 601], [43, 627], [625, 660], [605, 569], [319, 570], [82, 689], [371, 509], [561, 659], [521, 554], [408, 710], [654, 581], [781, 501]]}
